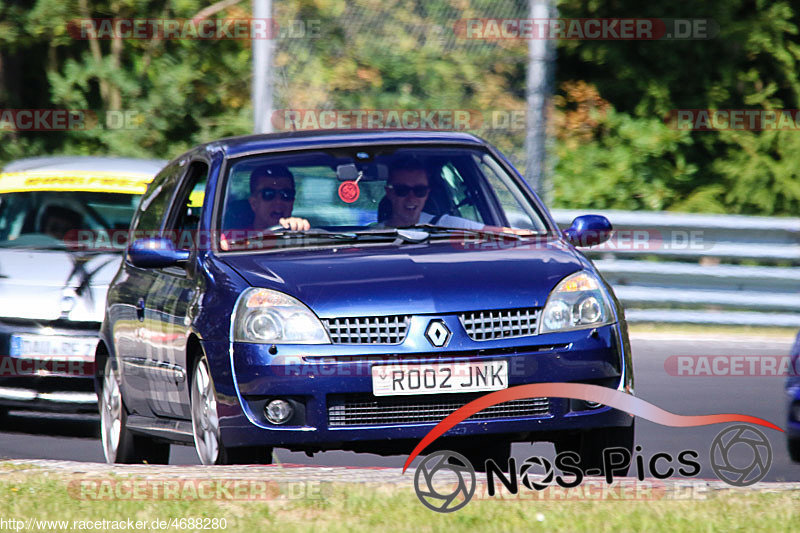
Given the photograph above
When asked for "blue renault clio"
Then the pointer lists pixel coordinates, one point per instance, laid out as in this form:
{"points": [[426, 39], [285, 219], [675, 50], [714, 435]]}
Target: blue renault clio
{"points": [[793, 403], [347, 291]]}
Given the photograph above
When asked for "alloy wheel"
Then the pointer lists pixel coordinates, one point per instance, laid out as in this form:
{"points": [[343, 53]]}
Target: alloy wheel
{"points": [[110, 413], [205, 422]]}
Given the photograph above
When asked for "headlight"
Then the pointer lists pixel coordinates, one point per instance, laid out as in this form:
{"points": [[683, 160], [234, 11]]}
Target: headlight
{"points": [[577, 302], [267, 316]]}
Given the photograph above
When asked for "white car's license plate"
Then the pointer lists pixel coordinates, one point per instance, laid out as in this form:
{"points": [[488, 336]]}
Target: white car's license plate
{"points": [[396, 380], [53, 347]]}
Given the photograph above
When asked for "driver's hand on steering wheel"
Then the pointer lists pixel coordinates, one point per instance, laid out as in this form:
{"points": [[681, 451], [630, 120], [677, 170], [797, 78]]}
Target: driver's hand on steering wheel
{"points": [[295, 224]]}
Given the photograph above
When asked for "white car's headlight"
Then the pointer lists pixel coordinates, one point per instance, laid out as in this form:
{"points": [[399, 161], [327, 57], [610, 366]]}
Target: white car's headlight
{"points": [[272, 317], [577, 302]]}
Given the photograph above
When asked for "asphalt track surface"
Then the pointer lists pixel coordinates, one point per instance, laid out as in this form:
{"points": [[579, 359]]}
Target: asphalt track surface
{"points": [[27, 435]]}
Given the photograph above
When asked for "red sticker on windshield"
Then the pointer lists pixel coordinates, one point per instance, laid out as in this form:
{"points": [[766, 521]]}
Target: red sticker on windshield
{"points": [[349, 191]]}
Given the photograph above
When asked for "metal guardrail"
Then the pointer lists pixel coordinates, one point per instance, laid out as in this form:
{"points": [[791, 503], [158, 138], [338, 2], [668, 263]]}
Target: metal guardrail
{"points": [[711, 269]]}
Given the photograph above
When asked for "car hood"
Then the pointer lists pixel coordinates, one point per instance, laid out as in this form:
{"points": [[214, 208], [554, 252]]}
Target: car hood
{"points": [[426, 278], [55, 284]]}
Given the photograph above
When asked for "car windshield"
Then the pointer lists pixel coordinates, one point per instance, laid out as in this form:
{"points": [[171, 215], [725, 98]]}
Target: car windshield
{"points": [[59, 219], [362, 192]]}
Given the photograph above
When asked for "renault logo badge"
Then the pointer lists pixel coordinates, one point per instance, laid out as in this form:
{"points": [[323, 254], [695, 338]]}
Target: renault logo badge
{"points": [[437, 333]]}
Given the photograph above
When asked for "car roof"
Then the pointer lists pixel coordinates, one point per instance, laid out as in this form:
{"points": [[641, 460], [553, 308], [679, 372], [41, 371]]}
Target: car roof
{"points": [[79, 173], [86, 163], [234, 146]]}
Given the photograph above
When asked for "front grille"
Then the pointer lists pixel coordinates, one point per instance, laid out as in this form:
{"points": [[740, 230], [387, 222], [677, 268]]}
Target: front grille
{"points": [[364, 409], [502, 324], [367, 329]]}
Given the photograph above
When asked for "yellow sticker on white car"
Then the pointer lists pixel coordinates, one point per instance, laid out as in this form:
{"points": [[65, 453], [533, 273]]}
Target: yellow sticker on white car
{"points": [[95, 181]]}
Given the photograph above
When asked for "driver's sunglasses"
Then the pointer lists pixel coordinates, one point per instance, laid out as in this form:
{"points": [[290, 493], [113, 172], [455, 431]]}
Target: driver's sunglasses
{"points": [[287, 195], [420, 191]]}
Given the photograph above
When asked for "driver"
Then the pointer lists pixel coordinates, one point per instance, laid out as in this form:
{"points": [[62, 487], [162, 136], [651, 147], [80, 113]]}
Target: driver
{"points": [[57, 221], [271, 198]]}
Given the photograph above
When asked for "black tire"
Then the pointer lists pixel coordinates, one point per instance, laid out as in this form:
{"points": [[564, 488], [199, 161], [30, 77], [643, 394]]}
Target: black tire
{"points": [[589, 445], [119, 444], [499, 453], [793, 446], [205, 425], [247, 455]]}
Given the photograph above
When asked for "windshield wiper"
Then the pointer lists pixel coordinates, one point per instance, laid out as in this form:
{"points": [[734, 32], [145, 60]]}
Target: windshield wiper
{"points": [[289, 235], [479, 232], [410, 235]]}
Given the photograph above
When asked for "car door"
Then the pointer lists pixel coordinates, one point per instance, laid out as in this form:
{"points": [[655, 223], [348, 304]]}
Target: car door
{"points": [[172, 297], [129, 293]]}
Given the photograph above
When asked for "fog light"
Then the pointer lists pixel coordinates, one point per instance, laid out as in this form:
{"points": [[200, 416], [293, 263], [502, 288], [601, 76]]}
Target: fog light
{"points": [[593, 405], [279, 411]]}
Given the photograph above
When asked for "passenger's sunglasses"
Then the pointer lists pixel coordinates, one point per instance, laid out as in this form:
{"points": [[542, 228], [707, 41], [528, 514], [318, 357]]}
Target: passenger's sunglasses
{"points": [[420, 191], [287, 195]]}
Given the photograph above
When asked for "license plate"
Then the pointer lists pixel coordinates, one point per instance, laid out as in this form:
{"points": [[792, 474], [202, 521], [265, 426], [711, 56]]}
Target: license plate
{"points": [[53, 347], [397, 380]]}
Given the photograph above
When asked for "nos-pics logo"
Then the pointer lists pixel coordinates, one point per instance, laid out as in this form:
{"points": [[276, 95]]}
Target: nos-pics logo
{"points": [[445, 481]]}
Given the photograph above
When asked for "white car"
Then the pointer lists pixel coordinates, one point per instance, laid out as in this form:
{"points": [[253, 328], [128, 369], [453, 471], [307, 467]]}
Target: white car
{"points": [[63, 226]]}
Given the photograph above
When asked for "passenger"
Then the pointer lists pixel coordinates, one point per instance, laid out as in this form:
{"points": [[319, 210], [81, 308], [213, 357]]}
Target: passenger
{"points": [[407, 190]]}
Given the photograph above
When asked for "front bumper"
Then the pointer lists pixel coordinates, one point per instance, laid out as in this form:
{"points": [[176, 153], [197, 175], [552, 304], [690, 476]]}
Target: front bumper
{"points": [[51, 383], [793, 401], [325, 381]]}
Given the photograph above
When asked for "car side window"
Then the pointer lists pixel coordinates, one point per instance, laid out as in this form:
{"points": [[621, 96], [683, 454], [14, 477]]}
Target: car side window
{"points": [[510, 197], [154, 203], [464, 205], [184, 219]]}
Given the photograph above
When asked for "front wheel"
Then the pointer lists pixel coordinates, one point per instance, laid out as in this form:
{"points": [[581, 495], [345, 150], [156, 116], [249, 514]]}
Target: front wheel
{"points": [[205, 425], [500, 453], [119, 444], [589, 446], [793, 445]]}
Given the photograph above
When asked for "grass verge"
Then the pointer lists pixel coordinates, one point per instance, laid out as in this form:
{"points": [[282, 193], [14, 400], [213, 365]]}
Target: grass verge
{"points": [[46, 496]]}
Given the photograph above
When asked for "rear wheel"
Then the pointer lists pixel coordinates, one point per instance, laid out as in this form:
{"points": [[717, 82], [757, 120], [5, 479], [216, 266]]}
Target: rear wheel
{"points": [[793, 445], [205, 425], [589, 446], [119, 444]]}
